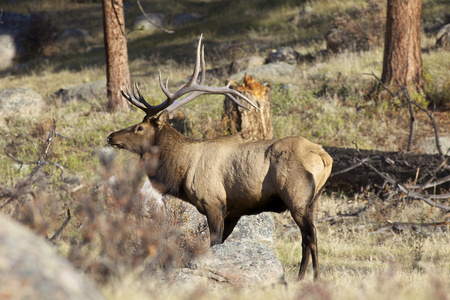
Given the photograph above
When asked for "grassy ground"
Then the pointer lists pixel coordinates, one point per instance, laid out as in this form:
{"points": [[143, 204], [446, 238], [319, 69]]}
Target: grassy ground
{"points": [[329, 105]]}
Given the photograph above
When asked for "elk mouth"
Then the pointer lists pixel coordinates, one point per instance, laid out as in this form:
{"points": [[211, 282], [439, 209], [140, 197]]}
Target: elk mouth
{"points": [[114, 145], [117, 146]]}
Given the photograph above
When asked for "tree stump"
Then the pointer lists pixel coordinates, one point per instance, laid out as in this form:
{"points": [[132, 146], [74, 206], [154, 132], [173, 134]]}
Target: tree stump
{"points": [[250, 124]]}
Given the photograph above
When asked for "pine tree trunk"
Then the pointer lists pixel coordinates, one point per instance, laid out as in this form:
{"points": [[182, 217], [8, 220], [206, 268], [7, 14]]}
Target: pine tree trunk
{"points": [[402, 61], [117, 72], [251, 124]]}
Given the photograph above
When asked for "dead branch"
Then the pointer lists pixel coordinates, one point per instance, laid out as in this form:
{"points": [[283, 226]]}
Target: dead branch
{"points": [[21, 188], [18, 160], [432, 119], [404, 90], [360, 163], [412, 194], [344, 216], [400, 227], [411, 124], [24, 187], [60, 230], [429, 184], [41, 159]]}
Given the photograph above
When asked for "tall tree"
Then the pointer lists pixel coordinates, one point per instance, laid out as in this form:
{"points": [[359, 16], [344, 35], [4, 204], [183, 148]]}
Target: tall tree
{"points": [[402, 61], [117, 71]]}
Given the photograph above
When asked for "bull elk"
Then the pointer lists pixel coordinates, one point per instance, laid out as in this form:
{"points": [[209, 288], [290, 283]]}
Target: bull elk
{"points": [[227, 177]]}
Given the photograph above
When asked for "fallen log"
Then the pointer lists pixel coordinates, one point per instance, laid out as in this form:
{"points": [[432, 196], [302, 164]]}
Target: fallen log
{"points": [[354, 169]]}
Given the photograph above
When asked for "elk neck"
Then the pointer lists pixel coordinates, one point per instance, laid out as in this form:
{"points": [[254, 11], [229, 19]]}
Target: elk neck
{"points": [[177, 153]]}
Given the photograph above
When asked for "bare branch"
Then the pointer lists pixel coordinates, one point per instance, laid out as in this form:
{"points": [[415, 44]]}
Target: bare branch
{"points": [[399, 227], [433, 121], [415, 195], [60, 230], [24, 187], [382, 84]]}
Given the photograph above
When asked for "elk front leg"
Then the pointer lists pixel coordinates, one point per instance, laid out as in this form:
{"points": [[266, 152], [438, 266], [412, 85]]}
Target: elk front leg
{"points": [[214, 215]]}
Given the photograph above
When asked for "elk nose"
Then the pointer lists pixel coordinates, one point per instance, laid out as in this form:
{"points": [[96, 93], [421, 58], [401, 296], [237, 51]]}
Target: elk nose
{"points": [[109, 139]]}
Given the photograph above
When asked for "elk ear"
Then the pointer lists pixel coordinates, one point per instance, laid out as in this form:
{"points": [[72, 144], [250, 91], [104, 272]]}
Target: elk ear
{"points": [[162, 119]]}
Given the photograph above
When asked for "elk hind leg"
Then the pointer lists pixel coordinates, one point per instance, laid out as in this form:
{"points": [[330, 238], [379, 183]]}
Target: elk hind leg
{"points": [[304, 218]]}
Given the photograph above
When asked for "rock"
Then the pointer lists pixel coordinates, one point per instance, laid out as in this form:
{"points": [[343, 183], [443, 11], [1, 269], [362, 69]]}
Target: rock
{"points": [[11, 26], [443, 37], [73, 40], [7, 51], [142, 23], [285, 54], [185, 18], [19, 100], [245, 63], [31, 269], [279, 72], [237, 264], [429, 145], [245, 259], [259, 227], [91, 90], [186, 216]]}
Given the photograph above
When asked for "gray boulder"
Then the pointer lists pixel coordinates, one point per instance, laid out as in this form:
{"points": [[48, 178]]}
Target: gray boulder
{"points": [[443, 37], [245, 259], [31, 269], [429, 145], [284, 54], [142, 22], [8, 51], [84, 92], [233, 264], [259, 228], [11, 25]]}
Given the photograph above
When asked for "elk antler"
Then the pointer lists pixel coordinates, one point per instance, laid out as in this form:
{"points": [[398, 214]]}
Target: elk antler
{"points": [[192, 88]]}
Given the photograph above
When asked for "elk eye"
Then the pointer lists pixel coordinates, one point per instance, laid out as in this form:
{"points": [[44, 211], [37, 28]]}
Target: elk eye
{"points": [[140, 128]]}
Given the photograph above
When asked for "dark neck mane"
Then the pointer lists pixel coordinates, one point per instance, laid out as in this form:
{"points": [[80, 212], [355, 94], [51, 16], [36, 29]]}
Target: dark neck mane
{"points": [[176, 154]]}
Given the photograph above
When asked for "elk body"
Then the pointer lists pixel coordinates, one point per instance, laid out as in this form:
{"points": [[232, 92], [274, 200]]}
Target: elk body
{"points": [[227, 177]]}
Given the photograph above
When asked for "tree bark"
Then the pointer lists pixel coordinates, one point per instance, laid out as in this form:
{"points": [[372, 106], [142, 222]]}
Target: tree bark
{"points": [[402, 60], [117, 72], [250, 124]]}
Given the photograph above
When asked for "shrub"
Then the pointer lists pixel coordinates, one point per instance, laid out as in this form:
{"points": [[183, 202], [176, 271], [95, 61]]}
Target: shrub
{"points": [[38, 37]]}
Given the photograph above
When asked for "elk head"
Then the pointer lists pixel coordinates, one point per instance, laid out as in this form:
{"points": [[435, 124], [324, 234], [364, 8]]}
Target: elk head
{"points": [[141, 137]]}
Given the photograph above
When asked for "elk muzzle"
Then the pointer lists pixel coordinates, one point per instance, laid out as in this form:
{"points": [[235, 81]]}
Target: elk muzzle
{"points": [[113, 141]]}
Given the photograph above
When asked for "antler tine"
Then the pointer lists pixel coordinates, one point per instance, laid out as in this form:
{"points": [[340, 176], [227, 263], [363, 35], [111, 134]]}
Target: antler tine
{"points": [[198, 59], [165, 88], [131, 99], [202, 80], [141, 98], [237, 102]]}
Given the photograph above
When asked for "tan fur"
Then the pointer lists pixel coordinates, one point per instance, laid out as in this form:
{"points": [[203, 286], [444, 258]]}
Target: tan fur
{"points": [[226, 178]]}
